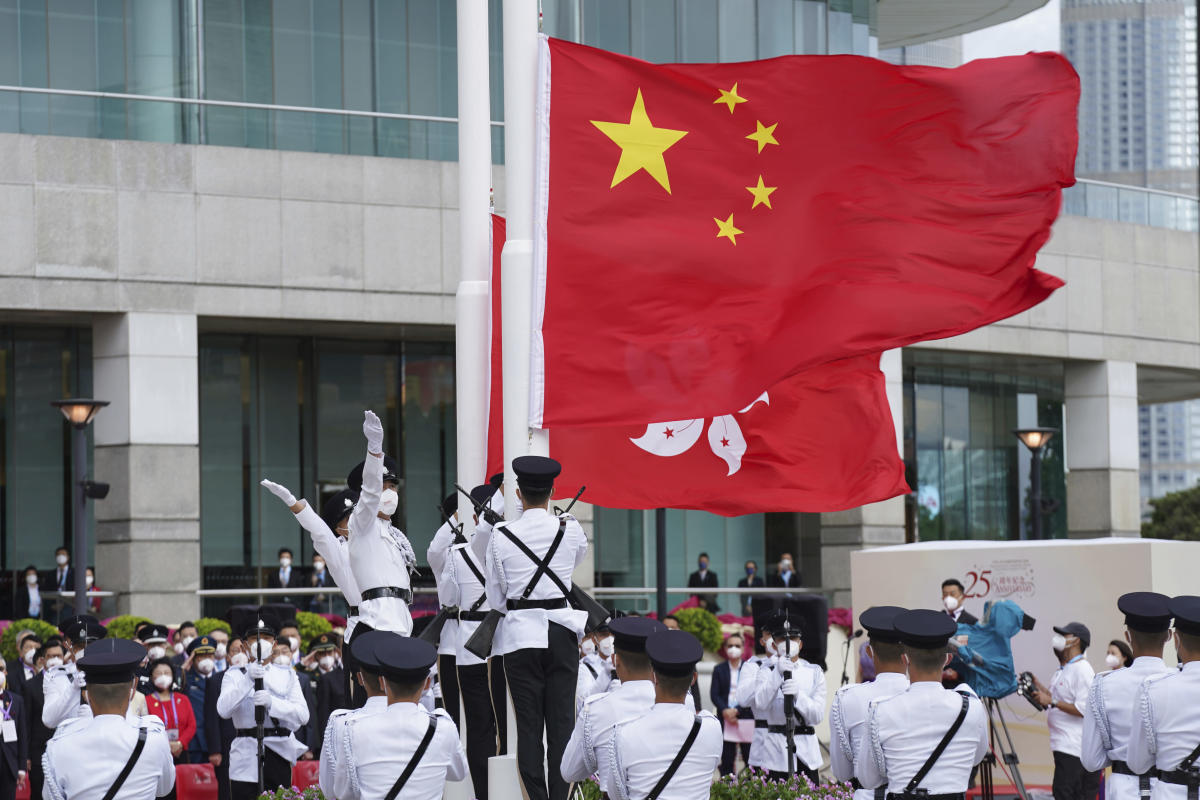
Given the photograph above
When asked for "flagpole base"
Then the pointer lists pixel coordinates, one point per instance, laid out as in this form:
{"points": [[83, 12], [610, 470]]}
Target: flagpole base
{"points": [[504, 780]]}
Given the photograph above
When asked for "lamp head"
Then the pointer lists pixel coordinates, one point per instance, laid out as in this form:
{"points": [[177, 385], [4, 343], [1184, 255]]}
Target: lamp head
{"points": [[1035, 438], [79, 411]]}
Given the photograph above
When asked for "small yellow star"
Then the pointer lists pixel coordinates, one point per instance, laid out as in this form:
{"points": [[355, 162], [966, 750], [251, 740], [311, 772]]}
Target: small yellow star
{"points": [[763, 135], [725, 228], [642, 145], [762, 193], [730, 98]]}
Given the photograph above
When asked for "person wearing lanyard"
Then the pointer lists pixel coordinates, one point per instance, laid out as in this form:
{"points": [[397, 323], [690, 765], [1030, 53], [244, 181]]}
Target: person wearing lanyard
{"points": [[1066, 704], [737, 721], [173, 708], [15, 740]]}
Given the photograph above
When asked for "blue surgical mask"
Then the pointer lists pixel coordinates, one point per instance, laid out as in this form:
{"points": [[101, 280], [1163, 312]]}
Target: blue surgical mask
{"points": [[749, 571], [703, 565]]}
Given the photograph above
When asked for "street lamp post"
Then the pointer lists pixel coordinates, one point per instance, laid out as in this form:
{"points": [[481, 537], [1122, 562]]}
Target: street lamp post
{"points": [[1035, 440], [79, 412]]}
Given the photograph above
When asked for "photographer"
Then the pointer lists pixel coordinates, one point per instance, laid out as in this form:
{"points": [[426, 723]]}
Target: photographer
{"points": [[1066, 703]]}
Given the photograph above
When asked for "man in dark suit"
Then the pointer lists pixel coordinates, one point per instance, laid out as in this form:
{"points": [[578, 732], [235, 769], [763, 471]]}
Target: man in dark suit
{"points": [[753, 605], [727, 709], [286, 577], [704, 578], [16, 745], [35, 700], [787, 576], [23, 668], [953, 596], [219, 732], [60, 579]]}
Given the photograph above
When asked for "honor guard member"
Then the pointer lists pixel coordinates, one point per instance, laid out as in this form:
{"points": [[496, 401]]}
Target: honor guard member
{"points": [[589, 752], [848, 715], [334, 774], [381, 557], [105, 755], [670, 752], [789, 675], [1166, 724], [63, 684], [451, 531], [528, 570], [747, 680], [595, 669], [286, 712], [1110, 713], [403, 751], [924, 742]]}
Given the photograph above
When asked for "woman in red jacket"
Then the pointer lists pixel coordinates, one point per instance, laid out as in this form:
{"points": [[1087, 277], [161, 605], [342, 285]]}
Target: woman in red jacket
{"points": [[173, 708]]}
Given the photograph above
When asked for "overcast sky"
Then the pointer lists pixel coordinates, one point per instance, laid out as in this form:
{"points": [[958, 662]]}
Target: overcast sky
{"points": [[1037, 30]]}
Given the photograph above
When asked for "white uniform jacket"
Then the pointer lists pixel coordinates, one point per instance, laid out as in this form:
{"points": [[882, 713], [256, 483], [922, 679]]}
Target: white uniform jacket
{"points": [[379, 746], [903, 730], [848, 722], [810, 704], [645, 747], [85, 757], [337, 558], [589, 749], [747, 680], [380, 556], [463, 588], [436, 556], [334, 772], [1108, 720], [1166, 726], [288, 709], [595, 675]]}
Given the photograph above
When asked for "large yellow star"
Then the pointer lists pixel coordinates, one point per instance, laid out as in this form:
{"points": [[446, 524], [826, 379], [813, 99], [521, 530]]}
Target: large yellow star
{"points": [[642, 145], [763, 135], [725, 228], [762, 193], [730, 98]]}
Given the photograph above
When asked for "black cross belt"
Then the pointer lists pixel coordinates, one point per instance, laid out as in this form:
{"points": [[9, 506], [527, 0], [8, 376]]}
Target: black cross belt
{"points": [[472, 616], [252, 733], [546, 605], [1181, 777], [354, 611], [760, 723], [799, 730], [388, 591]]}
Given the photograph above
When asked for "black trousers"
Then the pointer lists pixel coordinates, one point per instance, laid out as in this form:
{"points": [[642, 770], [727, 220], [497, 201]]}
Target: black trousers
{"points": [[224, 787], [1072, 781], [729, 756], [448, 679], [276, 772], [8, 784], [355, 694], [499, 702], [542, 684], [481, 723]]}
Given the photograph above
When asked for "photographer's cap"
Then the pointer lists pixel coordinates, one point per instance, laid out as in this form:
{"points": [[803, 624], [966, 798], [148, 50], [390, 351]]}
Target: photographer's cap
{"points": [[1077, 629]]}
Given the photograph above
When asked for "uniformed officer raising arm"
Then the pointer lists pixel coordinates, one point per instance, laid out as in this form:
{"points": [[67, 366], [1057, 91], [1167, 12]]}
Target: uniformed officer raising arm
{"points": [[528, 571], [63, 684], [403, 751], [1166, 728], [106, 755], [669, 752], [589, 750], [848, 715], [927, 737], [790, 675], [1110, 713]]}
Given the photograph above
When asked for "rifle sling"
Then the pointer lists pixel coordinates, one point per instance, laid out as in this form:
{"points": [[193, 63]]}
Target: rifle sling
{"points": [[937, 751], [398, 786], [543, 565], [129, 765], [676, 763]]}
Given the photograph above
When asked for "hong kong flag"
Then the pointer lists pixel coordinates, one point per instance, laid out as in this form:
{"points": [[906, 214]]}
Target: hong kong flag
{"points": [[821, 440], [704, 231]]}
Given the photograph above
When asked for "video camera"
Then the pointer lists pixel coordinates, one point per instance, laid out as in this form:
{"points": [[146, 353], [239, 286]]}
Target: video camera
{"points": [[986, 660]]}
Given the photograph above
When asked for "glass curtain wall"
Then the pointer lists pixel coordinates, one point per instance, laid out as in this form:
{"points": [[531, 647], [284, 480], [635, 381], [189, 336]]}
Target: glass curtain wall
{"points": [[37, 365]]}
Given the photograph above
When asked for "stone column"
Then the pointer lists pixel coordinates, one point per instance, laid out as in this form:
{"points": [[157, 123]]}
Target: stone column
{"points": [[873, 525], [1101, 421], [148, 449]]}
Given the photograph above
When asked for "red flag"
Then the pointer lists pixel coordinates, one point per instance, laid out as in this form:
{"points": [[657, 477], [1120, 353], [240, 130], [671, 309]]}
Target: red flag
{"points": [[822, 440], [706, 230]]}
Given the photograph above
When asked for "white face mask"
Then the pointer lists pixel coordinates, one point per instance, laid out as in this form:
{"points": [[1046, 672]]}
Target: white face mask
{"points": [[262, 650], [325, 662], [61, 560], [950, 602], [607, 646], [31, 580], [3, 680], [29, 656], [319, 566], [785, 565], [1113, 661], [239, 660], [156, 652], [178, 648], [791, 648], [221, 650], [53, 661], [588, 647], [282, 661], [294, 643], [187, 640], [89, 580], [770, 647], [285, 562], [734, 653], [163, 682], [1058, 642], [389, 501], [206, 666]]}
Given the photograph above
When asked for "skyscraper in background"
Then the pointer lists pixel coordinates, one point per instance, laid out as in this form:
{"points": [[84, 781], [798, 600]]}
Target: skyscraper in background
{"points": [[939, 53]]}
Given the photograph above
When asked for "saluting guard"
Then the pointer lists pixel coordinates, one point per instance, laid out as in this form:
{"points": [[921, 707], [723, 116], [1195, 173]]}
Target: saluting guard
{"points": [[1166, 729], [790, 681], [848, 715], [104, 754], [923, 742], [670, 752], [63, 684], [1109, 716]]}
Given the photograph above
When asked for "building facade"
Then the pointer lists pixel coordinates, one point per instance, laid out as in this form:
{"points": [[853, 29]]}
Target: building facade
{"points": [[241, 278]]}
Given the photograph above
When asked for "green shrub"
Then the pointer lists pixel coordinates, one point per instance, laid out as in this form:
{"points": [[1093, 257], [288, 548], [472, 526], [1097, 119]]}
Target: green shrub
{"points": [[703, 625], [124, 626], [311, 626], [8, 642], [206, 625]]}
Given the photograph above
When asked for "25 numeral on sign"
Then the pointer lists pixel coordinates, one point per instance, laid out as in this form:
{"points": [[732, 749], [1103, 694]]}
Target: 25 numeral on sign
{"points": [[977, 578]]}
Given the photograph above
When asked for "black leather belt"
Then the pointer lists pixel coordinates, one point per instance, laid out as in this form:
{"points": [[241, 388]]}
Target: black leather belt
{"points": [[879, 791], [1181, 777], [799, 730], [252, 733], [1121, 768], [760, 723], [916, 796], [354, 611], [472, 616], [388, 591], [546, 605]]}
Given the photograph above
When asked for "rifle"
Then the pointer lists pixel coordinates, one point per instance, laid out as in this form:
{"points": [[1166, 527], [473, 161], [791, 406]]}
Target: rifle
{"points": [[260, 716], [483, 510], [433, 631], [789, 708], [560, 511]]}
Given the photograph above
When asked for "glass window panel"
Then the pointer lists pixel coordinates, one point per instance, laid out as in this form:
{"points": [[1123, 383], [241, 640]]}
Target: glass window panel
{"points": [[698, 31], [429, 439], [279, 436], [222, 490], [736, 29], [294, 72], [391, 59], [352, 376], [358, 80], [606, 24], [653, 31], [72, 51], [775, 28], [810, 27]]}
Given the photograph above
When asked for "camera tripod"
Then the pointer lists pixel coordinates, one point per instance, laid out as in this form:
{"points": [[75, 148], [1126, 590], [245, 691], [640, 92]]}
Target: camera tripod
{"points": [[995, 711]]}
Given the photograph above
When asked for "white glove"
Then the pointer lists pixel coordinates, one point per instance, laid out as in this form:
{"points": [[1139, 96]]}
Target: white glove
{"points": [[262, 698], [279, 491], [791, 686], [77, 680], [256, 671], [614, 683], [373, 430], [437, 690]]}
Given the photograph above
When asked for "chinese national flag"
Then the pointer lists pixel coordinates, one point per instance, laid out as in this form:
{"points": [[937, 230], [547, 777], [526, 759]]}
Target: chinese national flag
{"points": [[707, 230], [821, 440]]}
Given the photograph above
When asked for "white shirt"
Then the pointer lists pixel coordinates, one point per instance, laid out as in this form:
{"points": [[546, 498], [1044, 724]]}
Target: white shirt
{"points": [[379, 747], [810, 703], [436, 556], [35, 600], [589, 749], [508, 571], [903, 730], [848, 722], [83, 762], [1167, 726], [333, 774], [288, 709], [337, 559], [380, 555], [747, 678], [644, 748], [1107, 724], [1070, 684]]}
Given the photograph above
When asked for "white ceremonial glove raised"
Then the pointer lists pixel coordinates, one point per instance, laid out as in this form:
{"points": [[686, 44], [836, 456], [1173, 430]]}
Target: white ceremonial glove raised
{"points": [[615, 683], [262, 698], [279, 491], [373, 430], [256, 671], [437, 690], [77, 680], [791, 686]]}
